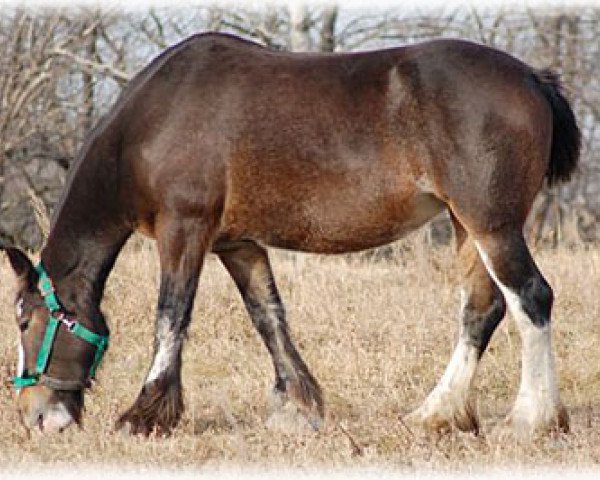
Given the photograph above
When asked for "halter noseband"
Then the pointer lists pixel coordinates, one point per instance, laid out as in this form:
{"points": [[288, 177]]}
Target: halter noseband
{"points": [[57, 316]]}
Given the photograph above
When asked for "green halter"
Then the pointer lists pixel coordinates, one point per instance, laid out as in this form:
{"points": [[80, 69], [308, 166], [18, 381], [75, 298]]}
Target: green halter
{"points": [[57, 317]]}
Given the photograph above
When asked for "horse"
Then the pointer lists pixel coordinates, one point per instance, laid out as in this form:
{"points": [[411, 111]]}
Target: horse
{"points": [[223, 146]]}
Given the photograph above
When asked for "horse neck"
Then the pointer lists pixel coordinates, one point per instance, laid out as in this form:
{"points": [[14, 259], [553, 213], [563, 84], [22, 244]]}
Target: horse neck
{"points": [[89, 229]]}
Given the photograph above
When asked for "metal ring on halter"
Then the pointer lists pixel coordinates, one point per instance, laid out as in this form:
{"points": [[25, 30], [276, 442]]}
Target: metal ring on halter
{"points": [[66, 321]]}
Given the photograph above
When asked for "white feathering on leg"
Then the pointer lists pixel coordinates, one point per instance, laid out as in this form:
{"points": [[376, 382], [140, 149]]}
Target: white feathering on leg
{"points": [[538, 398]]}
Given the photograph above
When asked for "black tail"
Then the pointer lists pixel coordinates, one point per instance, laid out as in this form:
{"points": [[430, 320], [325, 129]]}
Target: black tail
{"points": [[566, 137]]}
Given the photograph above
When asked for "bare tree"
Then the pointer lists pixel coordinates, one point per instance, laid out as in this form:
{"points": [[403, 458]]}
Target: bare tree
{"points": [[61, 69]]}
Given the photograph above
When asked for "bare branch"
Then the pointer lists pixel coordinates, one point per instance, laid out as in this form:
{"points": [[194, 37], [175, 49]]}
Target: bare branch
{"points": [[90, 65]]}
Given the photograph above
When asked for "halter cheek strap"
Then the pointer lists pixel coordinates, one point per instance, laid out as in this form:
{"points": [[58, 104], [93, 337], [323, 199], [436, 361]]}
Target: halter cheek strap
{"points": [[57, 317]]}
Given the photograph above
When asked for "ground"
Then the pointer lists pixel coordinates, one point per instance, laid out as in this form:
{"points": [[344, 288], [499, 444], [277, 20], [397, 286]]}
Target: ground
{"points": [[377, 334]]}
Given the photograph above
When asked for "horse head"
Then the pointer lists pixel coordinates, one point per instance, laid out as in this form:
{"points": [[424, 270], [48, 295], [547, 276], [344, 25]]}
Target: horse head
{"points": [[58, 355]]}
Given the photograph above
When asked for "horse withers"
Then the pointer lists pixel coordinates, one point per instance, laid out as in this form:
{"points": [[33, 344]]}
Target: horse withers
{"points": [[220, 145]]}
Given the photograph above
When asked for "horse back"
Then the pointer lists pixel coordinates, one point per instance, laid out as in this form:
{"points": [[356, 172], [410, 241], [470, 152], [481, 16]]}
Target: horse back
{"points": [[310, 151]]}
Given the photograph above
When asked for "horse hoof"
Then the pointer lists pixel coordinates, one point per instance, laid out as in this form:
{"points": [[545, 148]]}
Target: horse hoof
{"points": [[527, 423], [442, 422], [426, 426], [285, 416], [135, 425], [291, 421], [131, 424]]}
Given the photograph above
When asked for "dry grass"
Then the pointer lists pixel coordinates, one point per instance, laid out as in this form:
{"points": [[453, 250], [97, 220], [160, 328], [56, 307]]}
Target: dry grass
{"points": [[376, 335]]}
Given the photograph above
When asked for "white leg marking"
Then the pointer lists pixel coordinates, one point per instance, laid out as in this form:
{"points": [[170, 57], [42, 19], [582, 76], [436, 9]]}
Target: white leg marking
{"points": [[167, 348], [463, 364], [538, 399], [449, 399], [455, 384]]}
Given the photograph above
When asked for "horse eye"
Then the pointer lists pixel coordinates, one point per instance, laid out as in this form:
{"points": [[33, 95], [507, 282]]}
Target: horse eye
{"points": [[23, 325]]}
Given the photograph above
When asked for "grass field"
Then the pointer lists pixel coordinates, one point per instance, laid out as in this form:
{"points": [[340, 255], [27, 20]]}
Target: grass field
{"points": [[376, 334]]}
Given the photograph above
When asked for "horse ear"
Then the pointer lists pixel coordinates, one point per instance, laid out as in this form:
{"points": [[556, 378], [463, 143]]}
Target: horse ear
{"points": [[23, 268]]}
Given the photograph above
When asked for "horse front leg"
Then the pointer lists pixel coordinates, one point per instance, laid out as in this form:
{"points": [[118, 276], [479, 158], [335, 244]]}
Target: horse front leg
{"points": [[159, 405], [248, 265]]}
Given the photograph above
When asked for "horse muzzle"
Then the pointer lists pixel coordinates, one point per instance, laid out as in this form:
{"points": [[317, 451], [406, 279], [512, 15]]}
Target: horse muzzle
{"points": [[40, 410]]}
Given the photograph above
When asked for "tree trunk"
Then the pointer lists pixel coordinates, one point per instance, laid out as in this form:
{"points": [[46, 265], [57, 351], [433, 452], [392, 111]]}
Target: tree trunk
{"points": [[87, 120], [328, 29], [300, 40]]}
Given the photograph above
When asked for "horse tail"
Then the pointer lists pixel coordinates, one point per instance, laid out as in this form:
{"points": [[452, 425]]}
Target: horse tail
{"points": [[566, 137]]}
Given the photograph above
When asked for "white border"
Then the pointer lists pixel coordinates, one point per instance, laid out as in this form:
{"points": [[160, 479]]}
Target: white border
{"points": [[104, 471], [254, 473], [422, 5]]}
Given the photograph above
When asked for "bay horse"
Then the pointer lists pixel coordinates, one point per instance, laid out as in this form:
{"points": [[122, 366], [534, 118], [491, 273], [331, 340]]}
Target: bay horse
{"points": [[221, 145]]}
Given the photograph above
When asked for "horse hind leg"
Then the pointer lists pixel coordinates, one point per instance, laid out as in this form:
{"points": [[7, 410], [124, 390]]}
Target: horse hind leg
{"points": [[529, 297], [249, 266], [449, 405]]}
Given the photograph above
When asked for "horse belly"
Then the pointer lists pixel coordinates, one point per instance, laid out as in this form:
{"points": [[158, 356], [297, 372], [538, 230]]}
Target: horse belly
{"points": [[342, 221]]}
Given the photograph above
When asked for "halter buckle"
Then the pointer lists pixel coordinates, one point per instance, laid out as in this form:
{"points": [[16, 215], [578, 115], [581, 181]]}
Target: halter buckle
{"points": [[70, 324]]}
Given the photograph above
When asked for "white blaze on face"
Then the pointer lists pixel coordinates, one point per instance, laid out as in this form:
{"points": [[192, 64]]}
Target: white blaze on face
{"points": [[21, 357], [21, 361], [19, 307]]}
